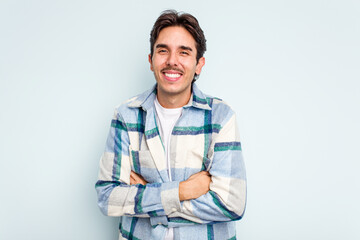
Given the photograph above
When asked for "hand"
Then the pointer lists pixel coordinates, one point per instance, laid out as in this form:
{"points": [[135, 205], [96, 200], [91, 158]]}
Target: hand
{"points": [[195, 186], [136, 179]]}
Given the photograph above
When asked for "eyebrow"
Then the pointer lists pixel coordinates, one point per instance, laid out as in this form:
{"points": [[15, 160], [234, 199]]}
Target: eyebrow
{"points": [[186, 48], [161, 45]]}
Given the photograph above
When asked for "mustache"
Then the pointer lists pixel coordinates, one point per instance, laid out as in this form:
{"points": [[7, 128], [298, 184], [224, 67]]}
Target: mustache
{"points": [[172, 69]]}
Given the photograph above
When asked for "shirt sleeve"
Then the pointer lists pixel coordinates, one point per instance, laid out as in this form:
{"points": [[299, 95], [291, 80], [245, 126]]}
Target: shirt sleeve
{"points": [[226, 199], [116, 197]]}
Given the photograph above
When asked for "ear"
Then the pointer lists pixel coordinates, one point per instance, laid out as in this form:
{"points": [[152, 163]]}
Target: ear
{"points": [[199, 65], [150, 61]]}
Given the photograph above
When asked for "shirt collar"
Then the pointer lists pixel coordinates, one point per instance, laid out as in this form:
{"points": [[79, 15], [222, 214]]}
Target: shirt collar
{"points": [[146, 99]]}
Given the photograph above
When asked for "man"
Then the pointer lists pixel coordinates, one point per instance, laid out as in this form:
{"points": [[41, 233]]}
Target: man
{"points": [[172, 167]]}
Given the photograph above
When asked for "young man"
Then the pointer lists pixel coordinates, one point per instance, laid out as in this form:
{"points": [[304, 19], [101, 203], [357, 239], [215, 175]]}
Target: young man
{"points": [[172, 167]]}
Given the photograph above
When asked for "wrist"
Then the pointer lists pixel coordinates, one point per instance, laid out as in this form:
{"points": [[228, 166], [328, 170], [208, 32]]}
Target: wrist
{"points": [[182, 191]]}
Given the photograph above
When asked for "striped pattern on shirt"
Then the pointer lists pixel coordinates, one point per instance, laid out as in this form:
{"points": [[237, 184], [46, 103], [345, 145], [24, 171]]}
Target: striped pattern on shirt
{"points": [[204, 138]]}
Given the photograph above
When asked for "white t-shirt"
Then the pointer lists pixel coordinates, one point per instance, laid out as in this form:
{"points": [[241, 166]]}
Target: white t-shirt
{"points": [[166, 119]]}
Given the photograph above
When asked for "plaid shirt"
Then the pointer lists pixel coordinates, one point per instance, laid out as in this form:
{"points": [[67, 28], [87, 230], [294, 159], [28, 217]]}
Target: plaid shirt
{"points": [[204, 138]]}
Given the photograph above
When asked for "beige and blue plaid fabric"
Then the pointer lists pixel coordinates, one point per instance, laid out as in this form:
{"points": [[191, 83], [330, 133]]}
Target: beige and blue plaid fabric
{"points": [[204, 138]]}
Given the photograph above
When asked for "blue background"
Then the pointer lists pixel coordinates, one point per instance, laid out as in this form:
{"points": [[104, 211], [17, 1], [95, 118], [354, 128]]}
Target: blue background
{"points": [[290, 69]]}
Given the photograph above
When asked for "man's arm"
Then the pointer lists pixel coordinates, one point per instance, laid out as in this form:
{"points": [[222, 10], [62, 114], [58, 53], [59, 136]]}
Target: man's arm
{"points": [[116, 197], [195, 186], [225, 199], [224, 202], [192, 188]]}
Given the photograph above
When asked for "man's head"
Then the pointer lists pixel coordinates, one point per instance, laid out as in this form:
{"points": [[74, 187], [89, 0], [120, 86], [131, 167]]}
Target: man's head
{"points": [[176, 58], [173, 18]]}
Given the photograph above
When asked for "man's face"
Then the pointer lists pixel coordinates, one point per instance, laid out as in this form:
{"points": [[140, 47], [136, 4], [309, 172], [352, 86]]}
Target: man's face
{"points": [[174, 62]]}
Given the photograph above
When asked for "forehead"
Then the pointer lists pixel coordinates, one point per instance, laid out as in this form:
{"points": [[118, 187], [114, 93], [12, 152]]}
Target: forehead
{"points": [[176, 36]]}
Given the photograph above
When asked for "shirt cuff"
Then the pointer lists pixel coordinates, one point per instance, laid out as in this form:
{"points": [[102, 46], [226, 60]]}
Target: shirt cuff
{"points": [[170, 197]]}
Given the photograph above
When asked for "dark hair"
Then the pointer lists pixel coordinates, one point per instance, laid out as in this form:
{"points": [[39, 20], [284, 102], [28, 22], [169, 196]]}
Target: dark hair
{"points": [[170, 18]]}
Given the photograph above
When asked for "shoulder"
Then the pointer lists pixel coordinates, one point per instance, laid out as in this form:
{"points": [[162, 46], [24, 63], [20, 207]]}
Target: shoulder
{"points": [[125, 106], [122, 110], [221, 111], [215, 104], [130, 108], [218, 105]]}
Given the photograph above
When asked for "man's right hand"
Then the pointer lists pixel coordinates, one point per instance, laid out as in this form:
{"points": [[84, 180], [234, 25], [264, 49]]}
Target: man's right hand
{"points": [[195, 186], [136, 179]]}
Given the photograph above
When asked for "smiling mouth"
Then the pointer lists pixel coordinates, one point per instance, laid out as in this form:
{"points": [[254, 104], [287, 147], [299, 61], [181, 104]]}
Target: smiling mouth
{"points": [[172, 76]]}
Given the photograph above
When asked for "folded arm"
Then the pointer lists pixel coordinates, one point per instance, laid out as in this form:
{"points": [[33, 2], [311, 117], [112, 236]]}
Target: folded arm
{"points": [[116, 197], [226, 198], [218, 195], [223, 200], [192, 188]]}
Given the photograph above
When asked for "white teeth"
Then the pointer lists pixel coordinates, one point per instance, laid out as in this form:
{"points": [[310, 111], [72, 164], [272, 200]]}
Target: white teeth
{"points": [[172, 75]]}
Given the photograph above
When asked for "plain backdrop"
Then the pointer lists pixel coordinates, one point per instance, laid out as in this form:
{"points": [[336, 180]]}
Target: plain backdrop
{"points": [[290, 70]]}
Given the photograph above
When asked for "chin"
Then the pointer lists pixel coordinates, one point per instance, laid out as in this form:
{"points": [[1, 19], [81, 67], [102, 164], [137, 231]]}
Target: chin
{"points": [[172, 89]]}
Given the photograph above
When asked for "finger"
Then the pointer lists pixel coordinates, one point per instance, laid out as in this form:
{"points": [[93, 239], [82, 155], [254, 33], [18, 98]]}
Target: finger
{"points": [[134, 175], [132, 180], [136, 179]]}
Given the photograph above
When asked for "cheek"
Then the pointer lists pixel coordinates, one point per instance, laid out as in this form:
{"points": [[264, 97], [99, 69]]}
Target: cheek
{"points": [[158, 64], [190, 65]]}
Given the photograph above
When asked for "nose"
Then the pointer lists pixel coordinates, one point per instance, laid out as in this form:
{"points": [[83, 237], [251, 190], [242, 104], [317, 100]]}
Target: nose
{"points": [[172, 59]]}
